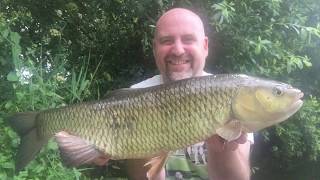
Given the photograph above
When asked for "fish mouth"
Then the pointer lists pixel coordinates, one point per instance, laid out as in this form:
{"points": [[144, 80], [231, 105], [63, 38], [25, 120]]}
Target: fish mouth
{"points": [[297, 99], [300, 95], [296, 105], [298, 102]]}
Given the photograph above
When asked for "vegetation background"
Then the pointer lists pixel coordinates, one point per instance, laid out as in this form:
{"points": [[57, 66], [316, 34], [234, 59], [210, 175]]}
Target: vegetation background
{"points": [[54, 53]]}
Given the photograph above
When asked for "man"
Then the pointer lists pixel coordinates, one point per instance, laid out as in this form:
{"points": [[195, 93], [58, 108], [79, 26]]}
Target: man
{"points": [[180, 49]]}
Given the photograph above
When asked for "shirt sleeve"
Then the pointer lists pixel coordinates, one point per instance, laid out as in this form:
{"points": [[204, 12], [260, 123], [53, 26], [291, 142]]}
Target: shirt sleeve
{"points": [[251, 138], [153, 81]]}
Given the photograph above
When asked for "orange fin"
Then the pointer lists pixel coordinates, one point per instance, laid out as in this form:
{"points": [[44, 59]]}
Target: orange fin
{"points": [[76, 151], [156, 163], [230, 131]]}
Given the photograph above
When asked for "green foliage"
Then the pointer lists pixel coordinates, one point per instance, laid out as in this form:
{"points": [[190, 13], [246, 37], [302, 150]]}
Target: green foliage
{"points": [[302, 135], [34, 87], [291, 150], [115, 33], [54, 53], [265, 37]]}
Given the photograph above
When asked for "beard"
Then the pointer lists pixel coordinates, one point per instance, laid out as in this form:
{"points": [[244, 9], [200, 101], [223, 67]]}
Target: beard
{"points": [[179, 67], [174, 76]]}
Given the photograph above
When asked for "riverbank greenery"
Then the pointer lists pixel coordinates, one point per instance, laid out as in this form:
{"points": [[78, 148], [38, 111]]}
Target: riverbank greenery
{"points": [[54, 53]]}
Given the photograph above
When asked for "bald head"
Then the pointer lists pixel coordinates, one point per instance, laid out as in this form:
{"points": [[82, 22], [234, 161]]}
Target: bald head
{"points": [[180, 14]]}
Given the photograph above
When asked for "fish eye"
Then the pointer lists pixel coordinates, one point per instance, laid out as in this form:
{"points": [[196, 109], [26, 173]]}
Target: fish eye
{"points": [[277, 91]]}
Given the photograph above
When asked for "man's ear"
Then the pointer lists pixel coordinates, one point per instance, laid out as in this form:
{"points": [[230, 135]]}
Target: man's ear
{"points": [[206, 45]]}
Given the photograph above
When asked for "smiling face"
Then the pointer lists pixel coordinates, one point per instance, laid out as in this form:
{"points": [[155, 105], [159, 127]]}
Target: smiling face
{"points": [[180, 46]]}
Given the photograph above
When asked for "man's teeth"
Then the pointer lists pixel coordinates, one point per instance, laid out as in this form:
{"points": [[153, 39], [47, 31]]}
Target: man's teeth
{"points": [[177, 62]]}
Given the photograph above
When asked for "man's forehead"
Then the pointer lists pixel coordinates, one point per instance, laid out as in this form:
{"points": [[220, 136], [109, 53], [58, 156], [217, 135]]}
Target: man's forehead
{"points": [[179, 21], [176, 29], [167, 35], [179, 12], [173, 18]]}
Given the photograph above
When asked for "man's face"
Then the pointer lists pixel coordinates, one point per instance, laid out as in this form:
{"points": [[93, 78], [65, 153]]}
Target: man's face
{"points": [[180, 46]]}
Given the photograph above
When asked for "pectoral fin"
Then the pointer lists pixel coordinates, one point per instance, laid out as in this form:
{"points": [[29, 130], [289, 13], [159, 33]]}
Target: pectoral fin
{"points": [[156, 163], [76, 151], [230, 131]]}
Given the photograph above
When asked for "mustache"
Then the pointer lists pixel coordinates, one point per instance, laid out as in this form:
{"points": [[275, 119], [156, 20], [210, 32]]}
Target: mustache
{"points": [[184, 57]]}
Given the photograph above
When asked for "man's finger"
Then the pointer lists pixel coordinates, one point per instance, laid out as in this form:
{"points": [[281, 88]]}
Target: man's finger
{"points": [[242, 139], [231, 146]]}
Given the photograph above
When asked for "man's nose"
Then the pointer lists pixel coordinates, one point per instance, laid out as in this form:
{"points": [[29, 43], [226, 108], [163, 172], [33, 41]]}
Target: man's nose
{"points": [[178, 48]]}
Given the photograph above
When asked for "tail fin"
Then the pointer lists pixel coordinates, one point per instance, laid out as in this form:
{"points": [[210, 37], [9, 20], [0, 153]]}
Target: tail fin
{"points": [[25, 125]]}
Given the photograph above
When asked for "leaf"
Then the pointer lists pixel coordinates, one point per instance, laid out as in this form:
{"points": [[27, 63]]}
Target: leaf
{"points": [[3, 175], [52, 145], [265, 41], [296, 29], [8, 105], [289, 67], [7, 165], [2, 61], [257, 50], [12, 76], [299, 64], [5, 33], [307, 63], [15, 37]]}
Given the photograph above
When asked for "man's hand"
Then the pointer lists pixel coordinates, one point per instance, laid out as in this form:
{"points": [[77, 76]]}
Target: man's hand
{"points": [[218, 144], [228, 160]]}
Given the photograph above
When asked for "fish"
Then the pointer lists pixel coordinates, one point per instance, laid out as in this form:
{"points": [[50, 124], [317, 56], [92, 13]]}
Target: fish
{"points": [[153, 121]]}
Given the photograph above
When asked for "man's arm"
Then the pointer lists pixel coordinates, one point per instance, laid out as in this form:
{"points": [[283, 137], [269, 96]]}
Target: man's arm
{"points": [[228, 161]]}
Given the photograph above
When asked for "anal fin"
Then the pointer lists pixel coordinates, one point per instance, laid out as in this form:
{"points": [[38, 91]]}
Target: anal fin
{"points": [[76, 151]]}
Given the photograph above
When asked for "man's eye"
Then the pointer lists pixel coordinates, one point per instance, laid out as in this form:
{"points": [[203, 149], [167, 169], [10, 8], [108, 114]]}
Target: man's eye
{"points": [[166, 41], [188, 40]]}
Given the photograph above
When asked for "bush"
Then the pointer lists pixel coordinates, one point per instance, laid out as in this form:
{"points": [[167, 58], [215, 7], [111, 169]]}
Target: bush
{"points": [[56, 52]]}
